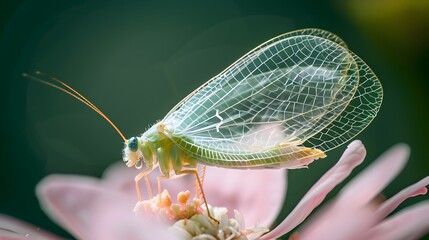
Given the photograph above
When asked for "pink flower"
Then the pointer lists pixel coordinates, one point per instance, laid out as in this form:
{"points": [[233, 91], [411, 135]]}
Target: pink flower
{"points": [[90, 208]]}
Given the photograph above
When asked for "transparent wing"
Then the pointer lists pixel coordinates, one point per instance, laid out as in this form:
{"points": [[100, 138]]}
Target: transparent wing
{"points": [[362, 109], [312, 32], [283, 92], [308, 31]]}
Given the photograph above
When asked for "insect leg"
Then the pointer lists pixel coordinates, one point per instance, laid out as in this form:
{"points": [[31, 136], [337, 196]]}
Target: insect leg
{"points": [[197, 177], [203, 175], [149, 188], [138, 178], [158, 179]]}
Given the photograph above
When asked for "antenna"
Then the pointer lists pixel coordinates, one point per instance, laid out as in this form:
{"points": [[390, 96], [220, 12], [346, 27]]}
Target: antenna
{"points": [[72, 92]]}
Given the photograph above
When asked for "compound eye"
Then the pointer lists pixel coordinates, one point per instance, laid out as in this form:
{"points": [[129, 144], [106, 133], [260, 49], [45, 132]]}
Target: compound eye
{"points": [[133, 144]]}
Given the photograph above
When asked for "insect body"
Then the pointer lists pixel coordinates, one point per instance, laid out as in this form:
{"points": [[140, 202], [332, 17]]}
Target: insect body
{"points": [[282, 105]]}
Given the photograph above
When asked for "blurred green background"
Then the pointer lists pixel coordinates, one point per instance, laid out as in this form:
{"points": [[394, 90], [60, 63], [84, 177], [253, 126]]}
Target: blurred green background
{"points": [[136, 59]]}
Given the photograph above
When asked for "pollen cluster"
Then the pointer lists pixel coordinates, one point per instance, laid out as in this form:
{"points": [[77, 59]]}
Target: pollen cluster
{"points": [[191, 221], [163, 207]]}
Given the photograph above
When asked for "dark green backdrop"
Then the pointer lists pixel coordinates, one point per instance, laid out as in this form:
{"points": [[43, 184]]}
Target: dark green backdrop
{"points": [[136, 60]]}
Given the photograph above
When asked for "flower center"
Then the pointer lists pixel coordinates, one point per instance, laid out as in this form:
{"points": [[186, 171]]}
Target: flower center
{"points": [[191, 219], [162, 206]]}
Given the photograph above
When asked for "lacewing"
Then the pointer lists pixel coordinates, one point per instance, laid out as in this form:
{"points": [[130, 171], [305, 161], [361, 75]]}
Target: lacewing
{"points": [[282, 105]]}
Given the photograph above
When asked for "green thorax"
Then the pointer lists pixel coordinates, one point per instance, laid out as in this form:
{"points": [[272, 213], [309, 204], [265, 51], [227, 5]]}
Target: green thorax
{"points": [[157, 147]]}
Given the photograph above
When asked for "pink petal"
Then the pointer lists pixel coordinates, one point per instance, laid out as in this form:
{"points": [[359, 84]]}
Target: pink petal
{"points": [[352, 157], [73, 202], [120, 223], [368, 184], [91, 210], [256, 188], [87, 209], [257, 194], [340, 222], [12, 228], [392, 203], [120, 177], [346, 218], [410, 223]]}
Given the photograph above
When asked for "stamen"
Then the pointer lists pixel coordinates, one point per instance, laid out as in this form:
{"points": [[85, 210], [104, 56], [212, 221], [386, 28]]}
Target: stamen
{"points": [[191, 218], [162, 206]]}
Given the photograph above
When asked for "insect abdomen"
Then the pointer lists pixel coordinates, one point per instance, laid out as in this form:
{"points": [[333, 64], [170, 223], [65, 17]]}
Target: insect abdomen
{"points": [[289, 156]]}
